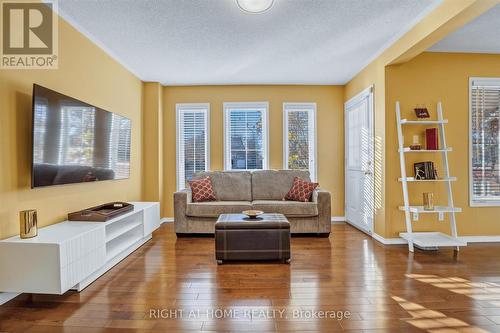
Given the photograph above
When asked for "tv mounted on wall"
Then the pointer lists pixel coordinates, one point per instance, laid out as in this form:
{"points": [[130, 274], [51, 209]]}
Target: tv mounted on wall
{"points": [[75, 142]]}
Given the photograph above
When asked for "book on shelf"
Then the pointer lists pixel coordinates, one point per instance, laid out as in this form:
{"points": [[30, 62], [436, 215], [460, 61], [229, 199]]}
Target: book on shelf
{"points": [[431, 139], [425, 170]]}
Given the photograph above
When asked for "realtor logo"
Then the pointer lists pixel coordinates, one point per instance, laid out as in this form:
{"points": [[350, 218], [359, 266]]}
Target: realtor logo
{"points": [[29, 35]]}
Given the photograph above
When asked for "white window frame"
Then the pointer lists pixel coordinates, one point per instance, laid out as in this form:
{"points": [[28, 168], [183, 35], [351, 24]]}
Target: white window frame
{"points": [[261, 106], [179, 108], [311, 109], [472, 201]]}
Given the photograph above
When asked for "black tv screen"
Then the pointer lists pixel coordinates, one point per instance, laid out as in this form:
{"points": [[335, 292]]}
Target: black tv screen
{"points": [[76, 142]]}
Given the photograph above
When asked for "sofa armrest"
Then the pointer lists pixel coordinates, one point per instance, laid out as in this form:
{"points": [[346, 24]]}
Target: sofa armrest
{"points": [[181, 200], [186, 194], [323, 199]]}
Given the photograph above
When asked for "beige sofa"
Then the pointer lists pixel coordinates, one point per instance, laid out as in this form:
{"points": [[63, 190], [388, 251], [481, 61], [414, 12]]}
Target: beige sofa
{"points": [[264, 190]]}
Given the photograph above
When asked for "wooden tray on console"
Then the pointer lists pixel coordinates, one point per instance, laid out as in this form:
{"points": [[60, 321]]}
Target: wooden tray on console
{"points": [[101, 213]]}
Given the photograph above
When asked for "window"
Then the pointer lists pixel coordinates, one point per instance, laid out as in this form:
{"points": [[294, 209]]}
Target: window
{"points": [[484, 183], [245, 136], [193, 141], [300, 137]]}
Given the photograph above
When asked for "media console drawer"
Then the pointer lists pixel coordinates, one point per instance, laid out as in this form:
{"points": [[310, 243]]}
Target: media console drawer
{"points": [[48, 263], [67, 253]]}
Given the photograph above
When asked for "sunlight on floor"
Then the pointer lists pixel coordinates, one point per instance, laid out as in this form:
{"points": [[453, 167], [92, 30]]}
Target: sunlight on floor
{"points": [[482, 291], [433, 321]]}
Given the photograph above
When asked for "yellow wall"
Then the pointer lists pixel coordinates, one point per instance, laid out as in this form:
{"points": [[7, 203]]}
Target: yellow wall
{"points": [[152, 154], [330, 131], [87, 73], [429, 78]]}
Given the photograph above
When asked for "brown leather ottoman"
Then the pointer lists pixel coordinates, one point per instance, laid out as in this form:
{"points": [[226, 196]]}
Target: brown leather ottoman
{"points": [[240, 238]]}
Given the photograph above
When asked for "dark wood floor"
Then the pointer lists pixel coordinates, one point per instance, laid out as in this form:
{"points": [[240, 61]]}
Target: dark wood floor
{"points": [[376, 289]]}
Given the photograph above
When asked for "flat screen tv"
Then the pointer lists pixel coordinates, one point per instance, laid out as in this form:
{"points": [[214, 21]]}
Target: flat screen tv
{"points": [[75, 142]]}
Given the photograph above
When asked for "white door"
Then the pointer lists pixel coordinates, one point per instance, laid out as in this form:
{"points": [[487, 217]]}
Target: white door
{"points": [[359, 182]]}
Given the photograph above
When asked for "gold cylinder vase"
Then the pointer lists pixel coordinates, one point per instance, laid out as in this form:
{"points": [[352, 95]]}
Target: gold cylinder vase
{"points": [[428, 201], [28, 223]]}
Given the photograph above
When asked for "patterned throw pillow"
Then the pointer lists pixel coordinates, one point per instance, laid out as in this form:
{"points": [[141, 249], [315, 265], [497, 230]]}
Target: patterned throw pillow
{"points": [[301, 190], [202, 190]]}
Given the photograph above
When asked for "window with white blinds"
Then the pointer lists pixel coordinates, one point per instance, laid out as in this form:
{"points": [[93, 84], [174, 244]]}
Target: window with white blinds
{"points": [[300, 137], [484, 142], [192, 141], [246, 136]]}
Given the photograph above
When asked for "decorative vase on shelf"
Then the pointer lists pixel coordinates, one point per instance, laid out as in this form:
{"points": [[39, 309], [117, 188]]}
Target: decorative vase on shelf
{"points": [[428, 201], [28, 223]]}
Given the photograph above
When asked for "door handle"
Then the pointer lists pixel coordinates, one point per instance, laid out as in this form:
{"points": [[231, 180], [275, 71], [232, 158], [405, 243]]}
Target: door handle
{"points": [[368, 173]]}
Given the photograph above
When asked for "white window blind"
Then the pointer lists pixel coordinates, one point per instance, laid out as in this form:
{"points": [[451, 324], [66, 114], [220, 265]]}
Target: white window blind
{"points": [[300, 137], [484, 142], [192, 141], [246, 136]]}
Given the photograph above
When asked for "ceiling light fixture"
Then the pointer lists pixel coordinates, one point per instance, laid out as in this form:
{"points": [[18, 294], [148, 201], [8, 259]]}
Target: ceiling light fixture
{"points": [[254, 6]]}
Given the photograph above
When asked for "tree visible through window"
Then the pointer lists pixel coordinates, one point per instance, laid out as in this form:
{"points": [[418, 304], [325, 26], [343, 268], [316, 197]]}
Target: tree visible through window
{"points": [[300, 137]]}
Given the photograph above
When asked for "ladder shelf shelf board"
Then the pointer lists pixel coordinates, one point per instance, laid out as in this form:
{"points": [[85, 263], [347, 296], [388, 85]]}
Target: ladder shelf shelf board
{"points": [[414, 180], [427, 240], [432, 240], [437, 209], [408, 150], [423, 122]]}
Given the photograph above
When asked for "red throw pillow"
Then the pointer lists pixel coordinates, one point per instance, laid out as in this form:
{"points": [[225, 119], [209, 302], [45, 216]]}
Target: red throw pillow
{"points": [[301, 190], [202, 190]]}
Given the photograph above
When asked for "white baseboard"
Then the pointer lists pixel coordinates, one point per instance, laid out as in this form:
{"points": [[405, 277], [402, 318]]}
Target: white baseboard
{"points": [[338, 219], [480, 239], [167, 220], [388, 241], [5, 297]]}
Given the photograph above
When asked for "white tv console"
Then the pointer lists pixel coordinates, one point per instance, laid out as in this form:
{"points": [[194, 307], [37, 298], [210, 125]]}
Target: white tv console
{"points": [[72, 255]]}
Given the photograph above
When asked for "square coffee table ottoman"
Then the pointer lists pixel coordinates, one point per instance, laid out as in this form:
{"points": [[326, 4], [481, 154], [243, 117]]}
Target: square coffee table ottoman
{"points": [[238, 237]]}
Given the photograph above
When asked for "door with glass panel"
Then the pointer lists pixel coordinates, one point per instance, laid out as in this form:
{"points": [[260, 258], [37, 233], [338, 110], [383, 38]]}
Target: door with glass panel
{"points": [[359, 182], [299, 130]]}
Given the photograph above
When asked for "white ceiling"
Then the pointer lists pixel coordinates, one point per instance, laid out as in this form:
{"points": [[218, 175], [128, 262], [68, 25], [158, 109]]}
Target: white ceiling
{"points": [[191, 42], [479, 36]]}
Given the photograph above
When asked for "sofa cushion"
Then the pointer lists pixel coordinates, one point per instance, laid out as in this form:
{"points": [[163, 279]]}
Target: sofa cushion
{"points": [[274, 184], [287, 208], [230, 185], [216, 208]]}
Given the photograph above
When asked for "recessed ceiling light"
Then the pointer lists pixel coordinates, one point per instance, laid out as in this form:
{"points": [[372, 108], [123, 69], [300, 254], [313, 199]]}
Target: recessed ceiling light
{"points": [[255, 6]]}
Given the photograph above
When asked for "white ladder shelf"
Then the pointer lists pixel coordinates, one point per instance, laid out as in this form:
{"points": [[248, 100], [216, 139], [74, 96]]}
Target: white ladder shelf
{"points": [[427, 240]]}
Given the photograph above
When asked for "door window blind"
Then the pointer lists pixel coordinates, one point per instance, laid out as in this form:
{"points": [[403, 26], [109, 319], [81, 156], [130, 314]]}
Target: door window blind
{"points": [[484, 142], [246, 136], [192, 141], [300, 137]]}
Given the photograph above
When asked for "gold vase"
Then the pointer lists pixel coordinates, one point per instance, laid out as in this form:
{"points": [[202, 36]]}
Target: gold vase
{"points": [[28, 223], [428, 201]]}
